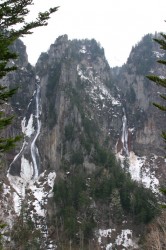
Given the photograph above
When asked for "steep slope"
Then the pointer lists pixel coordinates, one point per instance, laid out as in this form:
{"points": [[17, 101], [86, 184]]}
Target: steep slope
{"points": [[76, 114], [145, 122], [23, 187], [75, 95], [87, 121]]}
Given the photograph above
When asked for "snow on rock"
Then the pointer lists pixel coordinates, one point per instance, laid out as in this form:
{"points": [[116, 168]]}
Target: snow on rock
{"points": [[26, 172], [18, 185], [17, 203], [28, 187], [141, 173], [158, 54], [17, 156], [80, 73], [51, 178], [131, 130], [135, 167], [83, 50], [109, 246], [39, 195], [29, 129], [105, 93], [6, 204], [94, 87], [37, 78], [6, 189], [140, 170], [41, 191], [35, 194], [125, 239], [104, 233]]}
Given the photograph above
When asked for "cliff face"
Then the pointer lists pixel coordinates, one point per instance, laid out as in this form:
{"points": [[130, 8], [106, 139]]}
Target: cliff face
{"points": [[139, 94], [76, 115], [78, 87], [75, 90]]}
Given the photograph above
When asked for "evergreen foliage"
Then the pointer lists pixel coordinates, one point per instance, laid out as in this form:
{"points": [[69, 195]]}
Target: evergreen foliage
{"points": [[161, 81], [24, 233], [69, 132], [73, 202], [143, 57], [2, 226], [130, 95], [80, 193], [13, 13], [53, 81]]}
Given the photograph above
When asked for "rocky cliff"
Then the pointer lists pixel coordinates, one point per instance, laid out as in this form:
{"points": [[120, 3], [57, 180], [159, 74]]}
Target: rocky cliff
{"points": [[145, 121], [89, 132]]}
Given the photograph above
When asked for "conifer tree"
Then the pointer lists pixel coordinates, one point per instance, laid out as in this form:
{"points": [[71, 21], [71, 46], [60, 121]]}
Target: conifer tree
{"points": [[12, 13], [161, 81]]}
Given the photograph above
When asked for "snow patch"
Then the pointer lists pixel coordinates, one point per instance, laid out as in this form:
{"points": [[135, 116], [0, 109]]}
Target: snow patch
{"points": [[106, 94], [37, 78], [140, 171], [29, 129], [26, 172], [144, 175], [80, 73], [162, 77], [96, 89], [104, 233], [125, 239], [109, 246], [131, 130], [41, 191], [17, 203], [158, 54], [83, 50]]}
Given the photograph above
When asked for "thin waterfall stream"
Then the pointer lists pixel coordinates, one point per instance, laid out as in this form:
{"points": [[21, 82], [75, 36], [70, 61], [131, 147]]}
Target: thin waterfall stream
{"points": [[34, 150], [124, 137]]}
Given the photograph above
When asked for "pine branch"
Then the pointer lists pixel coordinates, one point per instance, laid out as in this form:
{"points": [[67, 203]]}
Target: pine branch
{"points": [[161, 42], [163, 135], [6, 94], [161, 107], [13, 12], [158, 80], [9, 143], [162, 61], [163, 97], [4, 122]]}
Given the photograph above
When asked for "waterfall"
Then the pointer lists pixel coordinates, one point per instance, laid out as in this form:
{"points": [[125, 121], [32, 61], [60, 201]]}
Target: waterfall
{"points": [[31, 129], [28, 177], [34, 150], [124, 137]]}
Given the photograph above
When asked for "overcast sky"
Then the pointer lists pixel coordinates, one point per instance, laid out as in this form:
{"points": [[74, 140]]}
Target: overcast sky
{"points": [[116, 24]]}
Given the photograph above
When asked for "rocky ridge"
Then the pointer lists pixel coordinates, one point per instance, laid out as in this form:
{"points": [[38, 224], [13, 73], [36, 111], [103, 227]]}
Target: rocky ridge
{"points": [[73, 105]]}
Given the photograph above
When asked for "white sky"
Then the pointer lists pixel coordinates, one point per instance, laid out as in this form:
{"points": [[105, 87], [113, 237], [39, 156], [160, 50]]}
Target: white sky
{"points": [[116, 24]]}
